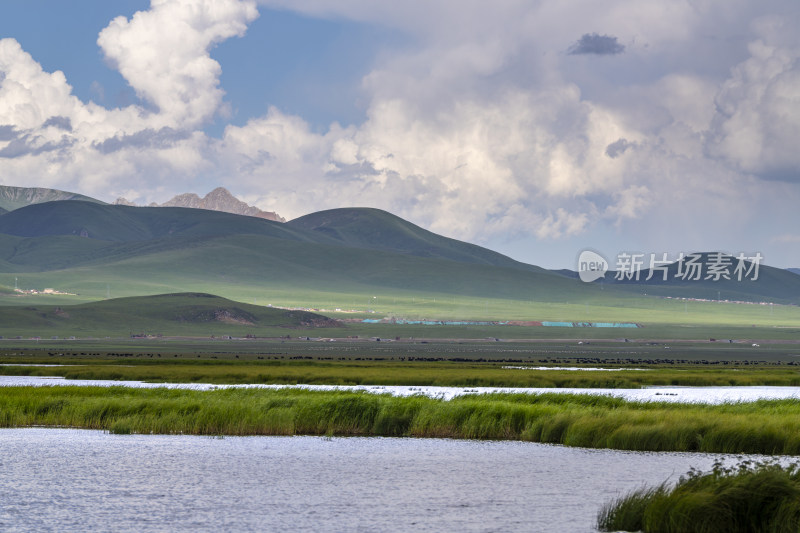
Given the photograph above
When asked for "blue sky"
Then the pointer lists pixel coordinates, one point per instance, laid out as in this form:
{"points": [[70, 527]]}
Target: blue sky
{"points": [[534, 128], [61, 38], [306, 65]]}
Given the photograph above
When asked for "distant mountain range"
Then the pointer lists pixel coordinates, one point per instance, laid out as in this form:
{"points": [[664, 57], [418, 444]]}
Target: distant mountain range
{"points": [[12, 198], [89, 249], [794, 270], [96, 249], [220, 199]]}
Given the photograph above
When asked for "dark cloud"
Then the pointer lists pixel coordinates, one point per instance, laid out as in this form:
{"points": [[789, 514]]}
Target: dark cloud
{"points": [[62, 123], [360, 169], [24, 144], [252, 163], [8, 133], [593, 43], [16, 148], [790, 174], [149, 138], [617, 148]]}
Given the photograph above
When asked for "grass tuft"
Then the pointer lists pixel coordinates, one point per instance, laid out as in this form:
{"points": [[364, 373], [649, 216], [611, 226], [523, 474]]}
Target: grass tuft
{"points": [[750, 497]]}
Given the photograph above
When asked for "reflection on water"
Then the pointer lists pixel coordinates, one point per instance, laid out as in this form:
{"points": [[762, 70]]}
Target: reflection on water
{"points": [[79, 480]]}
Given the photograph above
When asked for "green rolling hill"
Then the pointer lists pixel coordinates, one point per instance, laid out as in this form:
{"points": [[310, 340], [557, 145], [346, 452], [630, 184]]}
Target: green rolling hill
{"points": [[362, 228], [354, 259], [242, 264], [118, 223], [189, 249], [98, 251], [166, 314], [374, 229]]}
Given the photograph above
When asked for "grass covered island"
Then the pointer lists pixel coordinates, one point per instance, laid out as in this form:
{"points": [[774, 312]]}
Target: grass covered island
{"points": [[765, 427]]}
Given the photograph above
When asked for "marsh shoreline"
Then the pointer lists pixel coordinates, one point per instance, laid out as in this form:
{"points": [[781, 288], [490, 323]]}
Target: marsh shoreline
{"points": [[590, 421]]}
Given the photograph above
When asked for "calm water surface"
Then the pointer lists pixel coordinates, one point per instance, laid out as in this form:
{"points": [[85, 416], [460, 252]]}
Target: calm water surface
{"points": [[80, 480]]}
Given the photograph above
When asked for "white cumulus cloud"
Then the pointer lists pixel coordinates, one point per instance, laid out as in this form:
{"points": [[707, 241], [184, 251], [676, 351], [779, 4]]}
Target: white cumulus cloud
{"points": [[480, 124], [164, 54], [758, 108]]}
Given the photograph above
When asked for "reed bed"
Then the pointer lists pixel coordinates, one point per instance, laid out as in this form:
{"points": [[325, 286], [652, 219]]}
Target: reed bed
{"points": [[403, 373], [768, 427], [751, 497]]}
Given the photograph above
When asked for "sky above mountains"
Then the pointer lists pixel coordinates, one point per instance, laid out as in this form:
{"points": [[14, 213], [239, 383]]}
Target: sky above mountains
{"points": [[534, 128]]}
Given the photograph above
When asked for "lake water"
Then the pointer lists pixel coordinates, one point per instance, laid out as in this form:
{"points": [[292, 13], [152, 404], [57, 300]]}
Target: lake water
{"points": [[80, 480], [660, 394]]}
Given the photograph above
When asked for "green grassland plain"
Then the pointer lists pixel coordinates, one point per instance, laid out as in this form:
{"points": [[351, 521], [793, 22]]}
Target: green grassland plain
{"points": [[660, 318], [484, 362], [674, 346]]}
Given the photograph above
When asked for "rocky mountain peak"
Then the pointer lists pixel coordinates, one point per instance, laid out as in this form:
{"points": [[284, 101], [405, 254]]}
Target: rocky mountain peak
{"points": [[220, 199], [188, 199], [12, 198]]}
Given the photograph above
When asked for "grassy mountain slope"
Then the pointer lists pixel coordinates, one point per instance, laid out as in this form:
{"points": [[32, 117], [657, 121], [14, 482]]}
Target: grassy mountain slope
{"points": [[189, 249], [259, 261], [263, 270], [144, 251], [375, 229], [166, 314], [12, 198], [125, 224]]}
